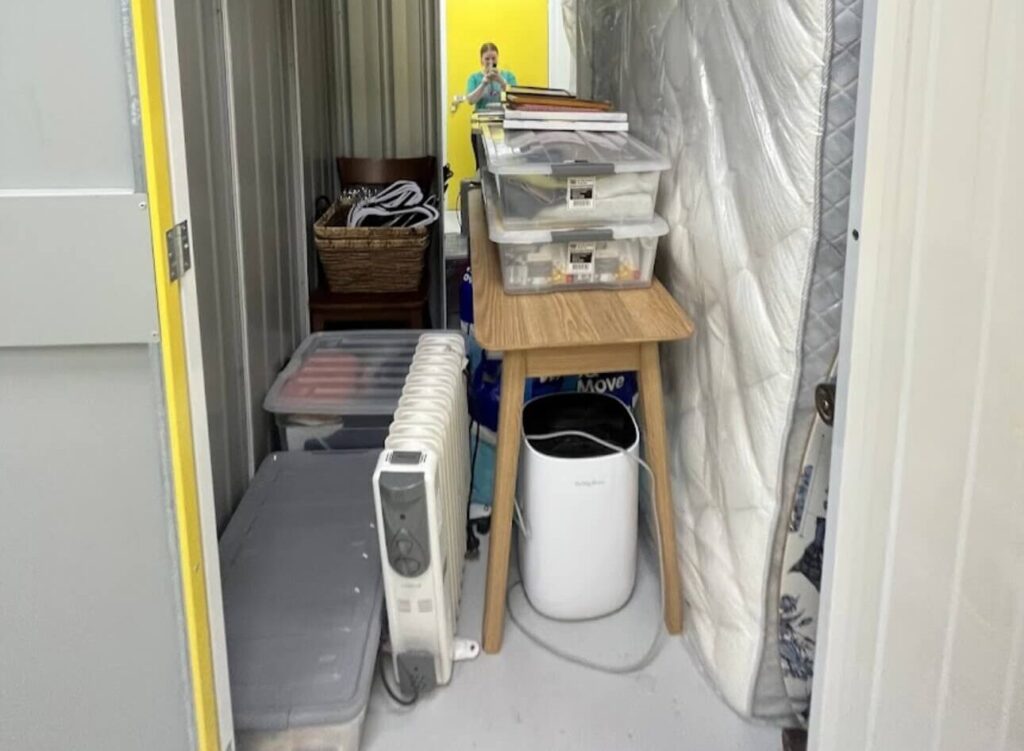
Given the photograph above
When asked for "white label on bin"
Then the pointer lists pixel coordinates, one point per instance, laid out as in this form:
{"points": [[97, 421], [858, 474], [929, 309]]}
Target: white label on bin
{"points": [[579, 192], [581, 258], [515, 274]]}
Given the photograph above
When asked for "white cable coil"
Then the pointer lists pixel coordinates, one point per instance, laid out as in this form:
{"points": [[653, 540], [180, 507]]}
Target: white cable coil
{"points": [[401, 204]]}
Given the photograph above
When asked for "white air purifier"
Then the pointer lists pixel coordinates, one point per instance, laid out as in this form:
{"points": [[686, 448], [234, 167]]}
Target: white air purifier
{"points": [[578, 502]]}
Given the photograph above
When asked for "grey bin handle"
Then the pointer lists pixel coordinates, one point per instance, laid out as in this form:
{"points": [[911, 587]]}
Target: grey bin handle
{"points": [[582, 169], [581, 235]]}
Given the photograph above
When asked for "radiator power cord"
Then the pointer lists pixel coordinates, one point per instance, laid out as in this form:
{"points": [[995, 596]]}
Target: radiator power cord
{"points": [[393, 691], [656, 641]]}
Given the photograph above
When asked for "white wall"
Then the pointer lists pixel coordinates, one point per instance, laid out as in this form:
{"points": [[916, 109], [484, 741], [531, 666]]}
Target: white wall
{"points": [[561, 65], [925, 627]]}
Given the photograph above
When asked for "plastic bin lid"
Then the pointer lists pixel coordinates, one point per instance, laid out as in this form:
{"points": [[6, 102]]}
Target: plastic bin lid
{"points": [[567, 152], [498, 233], [344, 373], [302, 591]]}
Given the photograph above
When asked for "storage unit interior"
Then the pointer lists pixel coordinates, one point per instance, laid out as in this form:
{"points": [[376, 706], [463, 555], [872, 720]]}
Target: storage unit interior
{"points": [[272, 92]]}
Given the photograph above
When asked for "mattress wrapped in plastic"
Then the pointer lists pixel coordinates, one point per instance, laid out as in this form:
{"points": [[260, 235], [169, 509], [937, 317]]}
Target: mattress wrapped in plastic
{"points": [[753, 103]]}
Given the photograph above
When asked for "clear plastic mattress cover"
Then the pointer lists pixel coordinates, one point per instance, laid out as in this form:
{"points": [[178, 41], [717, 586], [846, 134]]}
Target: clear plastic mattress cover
{"points": [[498, 233], [344, 373], [737, 95], [551, 152]]}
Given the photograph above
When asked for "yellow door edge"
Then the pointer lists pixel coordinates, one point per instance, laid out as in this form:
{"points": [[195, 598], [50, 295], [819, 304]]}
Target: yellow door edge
{"points": [[172, 349]]}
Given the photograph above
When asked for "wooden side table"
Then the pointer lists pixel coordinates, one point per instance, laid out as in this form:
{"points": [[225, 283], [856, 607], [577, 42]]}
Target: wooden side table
{"points": [[566, 333]]}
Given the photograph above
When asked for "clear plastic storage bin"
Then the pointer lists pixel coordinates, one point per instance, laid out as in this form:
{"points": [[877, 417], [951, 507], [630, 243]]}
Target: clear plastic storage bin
{"points": [[545, 260], [340, 389], [570, 179]]}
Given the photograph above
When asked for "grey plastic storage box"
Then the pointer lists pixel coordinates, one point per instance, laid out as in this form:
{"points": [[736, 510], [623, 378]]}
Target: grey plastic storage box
{"points": [[302, 602], [569, 179], [340, 389], [617, 256]]}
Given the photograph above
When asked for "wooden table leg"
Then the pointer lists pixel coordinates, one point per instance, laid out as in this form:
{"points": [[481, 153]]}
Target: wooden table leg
{"points": [[656, 444], [513, 384]]}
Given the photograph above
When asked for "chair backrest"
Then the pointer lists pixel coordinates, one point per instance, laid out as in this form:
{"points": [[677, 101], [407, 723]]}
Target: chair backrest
{"points": [[360, 171]]}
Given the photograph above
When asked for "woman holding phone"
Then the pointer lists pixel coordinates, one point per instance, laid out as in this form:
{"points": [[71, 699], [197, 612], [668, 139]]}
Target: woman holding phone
{"points": [[485, 86]]}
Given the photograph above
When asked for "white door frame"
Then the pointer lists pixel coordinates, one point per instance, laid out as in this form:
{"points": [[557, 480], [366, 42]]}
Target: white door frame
{"points": [[930, 198], [842, 429], [175, 123]]}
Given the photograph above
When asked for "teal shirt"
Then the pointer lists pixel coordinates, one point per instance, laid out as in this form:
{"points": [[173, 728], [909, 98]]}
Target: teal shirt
{"points": [[493, 95]]}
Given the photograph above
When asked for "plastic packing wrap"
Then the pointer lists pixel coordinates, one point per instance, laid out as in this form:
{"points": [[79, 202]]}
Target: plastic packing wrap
{"points": [[737, 95]]}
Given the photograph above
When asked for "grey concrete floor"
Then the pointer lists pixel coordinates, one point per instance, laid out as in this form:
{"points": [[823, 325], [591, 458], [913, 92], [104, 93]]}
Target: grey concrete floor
{"points": [[525, 698]]}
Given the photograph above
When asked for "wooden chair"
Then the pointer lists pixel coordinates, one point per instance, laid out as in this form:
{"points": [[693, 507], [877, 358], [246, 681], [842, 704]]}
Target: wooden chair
{"points": [[397, 309], [422, 170]]}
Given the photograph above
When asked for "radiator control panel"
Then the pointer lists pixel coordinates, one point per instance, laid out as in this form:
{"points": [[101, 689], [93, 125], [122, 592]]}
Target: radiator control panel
{"points": [[404, 510]]}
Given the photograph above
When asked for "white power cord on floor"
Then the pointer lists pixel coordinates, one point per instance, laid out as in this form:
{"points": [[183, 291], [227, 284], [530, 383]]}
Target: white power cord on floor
{"points": [[585, 662]]}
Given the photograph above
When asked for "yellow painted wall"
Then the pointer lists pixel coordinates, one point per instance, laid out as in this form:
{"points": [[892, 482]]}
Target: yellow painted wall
{"points": [[520, 29]]}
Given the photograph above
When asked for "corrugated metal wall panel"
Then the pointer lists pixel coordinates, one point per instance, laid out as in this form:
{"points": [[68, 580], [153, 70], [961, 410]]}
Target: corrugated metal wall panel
{"points": [[257, 89], [259, 60], [387, 83], [266, 104], [215, 247], [387, 77], [314, 84]]}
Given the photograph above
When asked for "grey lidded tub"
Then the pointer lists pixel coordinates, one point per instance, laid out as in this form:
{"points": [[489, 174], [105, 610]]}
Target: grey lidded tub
{"points": [[302, 602]]}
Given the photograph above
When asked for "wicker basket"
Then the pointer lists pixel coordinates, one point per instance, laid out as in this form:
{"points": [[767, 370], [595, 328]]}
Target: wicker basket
{"points": [[369, 259]]}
